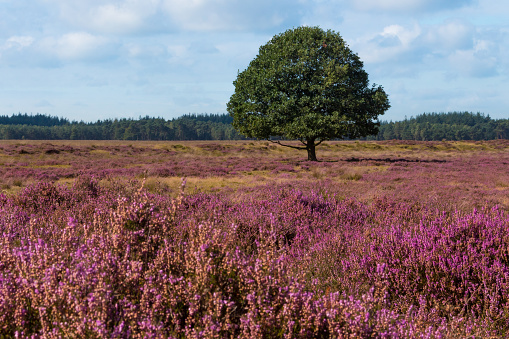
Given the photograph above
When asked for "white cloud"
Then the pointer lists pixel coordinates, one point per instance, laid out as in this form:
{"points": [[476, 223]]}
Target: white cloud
{"points": [[14, 49], [13, 46], [115, 19], [413, 46], [76, 46], [19, 42], [389, 45], [478, 62], [451, 35], [406, 36]]}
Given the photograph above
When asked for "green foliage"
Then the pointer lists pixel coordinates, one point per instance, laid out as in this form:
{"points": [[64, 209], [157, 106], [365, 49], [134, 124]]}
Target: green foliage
{"points": [[187, 127], [306, 84], [448, 126], [427, 126], [35, 120]]}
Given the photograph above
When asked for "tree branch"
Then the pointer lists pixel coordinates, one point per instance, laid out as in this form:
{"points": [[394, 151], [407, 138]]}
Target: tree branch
{"points": [[278, 142]]}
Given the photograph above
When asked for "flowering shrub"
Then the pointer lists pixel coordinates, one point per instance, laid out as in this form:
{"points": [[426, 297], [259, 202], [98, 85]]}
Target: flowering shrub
{"points": [[117, 261], [388, 239]]}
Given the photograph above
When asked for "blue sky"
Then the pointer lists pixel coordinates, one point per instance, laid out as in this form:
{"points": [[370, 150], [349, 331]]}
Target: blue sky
{"points": [[99, 59]]}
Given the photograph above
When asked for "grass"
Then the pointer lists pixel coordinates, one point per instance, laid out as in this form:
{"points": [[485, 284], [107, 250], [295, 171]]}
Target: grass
{"points": [[359, 169]]}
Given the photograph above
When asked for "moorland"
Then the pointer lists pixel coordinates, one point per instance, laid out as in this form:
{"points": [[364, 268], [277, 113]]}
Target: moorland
{"points": [[204, 239]]}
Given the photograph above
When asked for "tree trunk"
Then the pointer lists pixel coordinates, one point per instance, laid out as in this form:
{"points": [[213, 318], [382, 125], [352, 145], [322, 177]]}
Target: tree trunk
{"points": [[310, 147]]}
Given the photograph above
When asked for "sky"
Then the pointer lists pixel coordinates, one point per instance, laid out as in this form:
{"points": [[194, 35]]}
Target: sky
{"points": [[90, 60]]}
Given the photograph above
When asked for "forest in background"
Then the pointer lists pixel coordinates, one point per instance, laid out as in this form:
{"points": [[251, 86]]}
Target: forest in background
{"points": [[448, 126], [425, 127], [186, 127]]}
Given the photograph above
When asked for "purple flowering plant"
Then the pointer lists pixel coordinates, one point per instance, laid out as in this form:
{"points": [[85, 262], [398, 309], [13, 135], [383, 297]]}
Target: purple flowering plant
{"points": [[413, 248]]}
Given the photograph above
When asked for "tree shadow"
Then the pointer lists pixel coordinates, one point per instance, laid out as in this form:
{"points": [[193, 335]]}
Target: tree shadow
{"points": [[387, 160], [392, 160]]}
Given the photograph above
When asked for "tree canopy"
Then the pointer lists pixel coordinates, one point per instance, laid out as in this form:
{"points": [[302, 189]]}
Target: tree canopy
{"points": [[306, 84]]}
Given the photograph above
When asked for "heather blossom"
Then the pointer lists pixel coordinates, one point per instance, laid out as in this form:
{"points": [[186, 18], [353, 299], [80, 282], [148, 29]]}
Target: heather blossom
{"points": [[106, 256]]}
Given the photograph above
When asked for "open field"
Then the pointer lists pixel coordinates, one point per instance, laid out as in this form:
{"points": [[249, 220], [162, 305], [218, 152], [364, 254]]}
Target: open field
{"points": [[379, 239], [458, 175]]}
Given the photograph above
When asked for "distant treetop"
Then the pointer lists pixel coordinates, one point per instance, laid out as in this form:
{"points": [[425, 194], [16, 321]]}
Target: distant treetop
{"points": [[426, 126], [32, 120]]}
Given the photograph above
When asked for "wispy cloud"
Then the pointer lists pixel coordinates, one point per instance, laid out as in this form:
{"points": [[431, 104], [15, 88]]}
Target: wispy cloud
{"points": [[18, 42], [76, 46]]}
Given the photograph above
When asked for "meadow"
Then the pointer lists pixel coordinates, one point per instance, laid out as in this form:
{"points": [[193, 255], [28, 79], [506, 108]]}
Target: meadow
{"points": [[246, 239]]}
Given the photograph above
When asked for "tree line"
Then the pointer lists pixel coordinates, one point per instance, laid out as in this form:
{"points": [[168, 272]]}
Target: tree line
{"points": [[426, 127], [448, 126], [186, 127]]}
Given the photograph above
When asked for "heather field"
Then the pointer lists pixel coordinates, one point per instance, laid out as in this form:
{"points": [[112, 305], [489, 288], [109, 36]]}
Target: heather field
{"points": [[392, 239]]}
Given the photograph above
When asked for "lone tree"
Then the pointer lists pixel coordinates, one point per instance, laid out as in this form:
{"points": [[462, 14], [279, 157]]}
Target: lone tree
{"points": [[306, 84]]}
